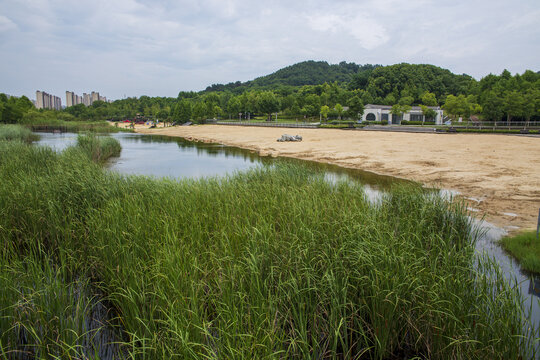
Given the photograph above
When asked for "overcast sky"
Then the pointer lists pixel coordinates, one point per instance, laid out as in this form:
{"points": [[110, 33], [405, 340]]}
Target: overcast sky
{"points": [[157, 48]]}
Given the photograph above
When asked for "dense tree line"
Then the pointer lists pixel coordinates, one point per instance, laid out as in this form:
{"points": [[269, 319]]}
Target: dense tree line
{"points": [[495, 97]]}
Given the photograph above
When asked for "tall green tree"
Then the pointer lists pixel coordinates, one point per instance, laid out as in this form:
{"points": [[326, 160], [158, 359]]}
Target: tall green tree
{"points": [[356, 107], [182, 111], [198, 112], [512, 104], [234, 107], [324, 112], [531, 104], [339, 110], [268, 103], [492, 107]]}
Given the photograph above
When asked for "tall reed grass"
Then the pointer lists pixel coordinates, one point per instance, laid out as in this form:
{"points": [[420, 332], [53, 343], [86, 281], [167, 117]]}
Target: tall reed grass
{"points": [[271, 263], [16, 132], [71, 125], [98, 148]]}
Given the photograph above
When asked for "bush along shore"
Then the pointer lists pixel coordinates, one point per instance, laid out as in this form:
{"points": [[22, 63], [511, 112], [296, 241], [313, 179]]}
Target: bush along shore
{"points": [[17, 133], [525, 247], [275, 262]]}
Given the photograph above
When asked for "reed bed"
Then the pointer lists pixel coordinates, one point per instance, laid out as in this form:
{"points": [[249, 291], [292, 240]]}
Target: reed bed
{"points": [[98, 148], [10, 132], [71, 125], [272, 263]]}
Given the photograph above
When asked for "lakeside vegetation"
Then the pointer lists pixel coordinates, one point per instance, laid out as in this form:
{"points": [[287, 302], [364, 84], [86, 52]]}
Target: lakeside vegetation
{"points": [[275, 262], [16, 132], [525, 247]]}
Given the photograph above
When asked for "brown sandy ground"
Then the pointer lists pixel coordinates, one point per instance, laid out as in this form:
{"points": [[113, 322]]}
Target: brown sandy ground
{"points": [[498, 175]]}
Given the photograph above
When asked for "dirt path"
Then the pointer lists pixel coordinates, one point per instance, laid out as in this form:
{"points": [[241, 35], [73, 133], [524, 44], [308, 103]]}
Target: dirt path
{"points": [[499, 175]]}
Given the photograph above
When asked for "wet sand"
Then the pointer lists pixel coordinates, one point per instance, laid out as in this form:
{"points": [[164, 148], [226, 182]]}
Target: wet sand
{"points": [[498, 175]]}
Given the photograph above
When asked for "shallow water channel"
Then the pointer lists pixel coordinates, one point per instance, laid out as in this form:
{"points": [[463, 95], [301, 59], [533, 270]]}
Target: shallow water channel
{"points": [[161, 156]]}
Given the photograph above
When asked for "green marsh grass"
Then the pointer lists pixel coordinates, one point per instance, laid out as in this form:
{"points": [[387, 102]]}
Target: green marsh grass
{"points": [[16, 133], [99, 148], [272, 263], [38, 121], [526, 248]]}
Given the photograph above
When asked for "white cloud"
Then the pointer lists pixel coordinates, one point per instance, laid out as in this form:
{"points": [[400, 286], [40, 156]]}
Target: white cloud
{"points": [[6, 24]]}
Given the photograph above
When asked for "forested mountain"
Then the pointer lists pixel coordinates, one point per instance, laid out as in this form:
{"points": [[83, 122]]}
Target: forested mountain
{"points": [[303, 73]]}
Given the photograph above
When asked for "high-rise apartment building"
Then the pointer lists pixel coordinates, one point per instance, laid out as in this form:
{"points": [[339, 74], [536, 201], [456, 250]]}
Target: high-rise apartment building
{"points": [[70, 98], [86, 99], [47, 101]]}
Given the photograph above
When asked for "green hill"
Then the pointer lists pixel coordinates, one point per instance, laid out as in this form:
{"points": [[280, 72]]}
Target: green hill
{"points": [[303, 73]]}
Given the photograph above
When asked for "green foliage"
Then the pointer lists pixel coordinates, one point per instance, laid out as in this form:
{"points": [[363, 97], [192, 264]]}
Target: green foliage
{"points": [[267, 102], [429, 99], [461, 106], [429, 114], [324, 111], [13, 109], [493, 106], [199, 111], [526, 248], [182, 111], [339, 110], [356, 107], [415, 80], [406, 100], [275, 262], [98, 148], [340, 126], [400, 109], [16, 133]]}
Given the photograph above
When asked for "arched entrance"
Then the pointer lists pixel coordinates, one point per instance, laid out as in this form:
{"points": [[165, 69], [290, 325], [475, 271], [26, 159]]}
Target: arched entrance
{"points": [[371, 117]]}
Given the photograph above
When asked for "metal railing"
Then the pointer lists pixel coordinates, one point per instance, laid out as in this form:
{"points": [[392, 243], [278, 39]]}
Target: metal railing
{"points": [[512, 125], [268, 124]]}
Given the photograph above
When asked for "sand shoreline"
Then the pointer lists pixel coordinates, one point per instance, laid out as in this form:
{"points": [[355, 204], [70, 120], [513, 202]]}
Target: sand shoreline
{"points": [[498, 175]]}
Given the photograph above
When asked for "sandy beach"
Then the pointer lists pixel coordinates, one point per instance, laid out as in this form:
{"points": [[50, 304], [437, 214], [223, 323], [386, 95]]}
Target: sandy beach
{"points": [[498, 175]]}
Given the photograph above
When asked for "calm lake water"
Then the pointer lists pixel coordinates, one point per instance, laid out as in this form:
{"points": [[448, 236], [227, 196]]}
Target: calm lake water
{"points": [[161, 156]]}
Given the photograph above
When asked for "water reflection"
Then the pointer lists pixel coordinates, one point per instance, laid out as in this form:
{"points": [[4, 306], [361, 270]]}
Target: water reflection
{"points": [[528, 284]]}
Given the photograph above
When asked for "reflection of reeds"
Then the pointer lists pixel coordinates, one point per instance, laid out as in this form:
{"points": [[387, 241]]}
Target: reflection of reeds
{"points": [[275, 262]]}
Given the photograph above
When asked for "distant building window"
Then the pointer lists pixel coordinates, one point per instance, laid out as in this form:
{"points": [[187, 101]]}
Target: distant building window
{"points": [[416, 117], [370, 117], [385, 117]]}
